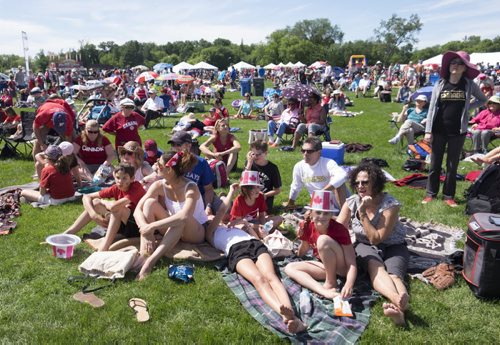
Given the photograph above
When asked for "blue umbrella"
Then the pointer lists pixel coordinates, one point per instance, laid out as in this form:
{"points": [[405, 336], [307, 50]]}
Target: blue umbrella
{"points": [[427, 90], [162, 65]]}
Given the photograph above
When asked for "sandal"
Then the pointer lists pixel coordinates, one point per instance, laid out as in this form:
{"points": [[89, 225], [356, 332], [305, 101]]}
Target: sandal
{"points": [[141, 309], [89, 298]]}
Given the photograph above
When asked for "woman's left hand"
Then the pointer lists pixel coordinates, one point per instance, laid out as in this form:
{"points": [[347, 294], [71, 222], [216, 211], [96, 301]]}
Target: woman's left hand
{"points": [[364, 202]]}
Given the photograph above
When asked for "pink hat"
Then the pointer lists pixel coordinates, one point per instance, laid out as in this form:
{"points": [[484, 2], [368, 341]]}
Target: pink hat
{"points": [[250, 178], [472, 70], [322, 200]]}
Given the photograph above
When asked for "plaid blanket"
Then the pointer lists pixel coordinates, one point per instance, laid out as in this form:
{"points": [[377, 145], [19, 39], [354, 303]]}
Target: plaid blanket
{"points": [[323, 327]]}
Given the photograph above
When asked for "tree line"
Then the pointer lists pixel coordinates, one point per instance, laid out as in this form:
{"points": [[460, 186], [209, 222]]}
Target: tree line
{"points": [[307, 41]]}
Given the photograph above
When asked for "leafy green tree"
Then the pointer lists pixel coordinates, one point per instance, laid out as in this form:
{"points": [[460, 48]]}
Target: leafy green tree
{"points": [[397, 35], [89, 55], [318, 31], [41, 61], [9, 61]]}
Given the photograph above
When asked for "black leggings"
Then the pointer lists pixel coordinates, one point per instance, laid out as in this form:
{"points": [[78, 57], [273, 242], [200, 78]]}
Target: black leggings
{"points": [[453, 146]]}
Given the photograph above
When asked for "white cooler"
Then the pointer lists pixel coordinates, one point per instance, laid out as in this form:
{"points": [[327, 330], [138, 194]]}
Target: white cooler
{"points": [[333, 151]]}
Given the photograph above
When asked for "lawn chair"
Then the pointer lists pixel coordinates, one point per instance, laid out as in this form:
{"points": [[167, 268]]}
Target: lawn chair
{"points": [[26, 140]]}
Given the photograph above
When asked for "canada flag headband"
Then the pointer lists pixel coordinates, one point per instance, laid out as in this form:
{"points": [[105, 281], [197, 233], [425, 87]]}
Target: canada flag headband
{"points": [[175, 159]]}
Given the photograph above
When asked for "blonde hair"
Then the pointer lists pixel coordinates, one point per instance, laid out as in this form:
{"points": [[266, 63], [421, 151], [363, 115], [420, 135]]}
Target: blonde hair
{"points": [[88, 125]]}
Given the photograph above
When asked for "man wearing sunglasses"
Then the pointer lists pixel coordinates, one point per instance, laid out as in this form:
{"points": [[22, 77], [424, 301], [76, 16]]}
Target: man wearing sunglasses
{"points": [[315, 172], [125, 124]]}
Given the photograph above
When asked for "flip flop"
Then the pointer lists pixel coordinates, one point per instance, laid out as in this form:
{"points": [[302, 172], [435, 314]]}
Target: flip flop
{"points": [[89, 298], [141, 309]]}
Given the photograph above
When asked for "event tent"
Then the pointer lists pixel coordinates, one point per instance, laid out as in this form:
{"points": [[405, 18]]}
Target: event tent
{"points": [[243, 65], [433, 60], [204, 65], [299, 64], [269, 66], [485, 58], [290, 64], [181, 66]]}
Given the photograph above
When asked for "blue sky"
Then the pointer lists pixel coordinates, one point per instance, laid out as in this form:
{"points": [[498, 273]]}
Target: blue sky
{"points": [[55, 25]]}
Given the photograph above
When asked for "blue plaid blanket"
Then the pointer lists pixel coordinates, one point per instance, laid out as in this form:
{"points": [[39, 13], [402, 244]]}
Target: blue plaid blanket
{"points": [[323, 327]]}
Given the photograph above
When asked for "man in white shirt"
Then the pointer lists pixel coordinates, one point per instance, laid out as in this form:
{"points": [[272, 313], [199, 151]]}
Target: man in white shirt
{"points": [[364, 85], [315, 172], [152, 107]]}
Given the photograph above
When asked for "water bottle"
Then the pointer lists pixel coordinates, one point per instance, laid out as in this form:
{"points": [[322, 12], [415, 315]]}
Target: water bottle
{"points": [[305, 302], [268, 226], [101, 174]]}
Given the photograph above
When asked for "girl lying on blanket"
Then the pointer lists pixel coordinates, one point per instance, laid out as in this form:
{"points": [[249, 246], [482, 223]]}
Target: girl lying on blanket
{"points": [[249, 257], [380, 237], [56, 182], [331, 244], [116, 215], [250, 206]]}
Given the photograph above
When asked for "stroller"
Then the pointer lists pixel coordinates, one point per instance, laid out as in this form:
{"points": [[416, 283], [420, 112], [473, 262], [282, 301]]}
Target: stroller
{"points": [[98, 109]]}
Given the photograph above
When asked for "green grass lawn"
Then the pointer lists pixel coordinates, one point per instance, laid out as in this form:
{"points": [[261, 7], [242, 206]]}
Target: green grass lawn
{"points": [[36, 299]]}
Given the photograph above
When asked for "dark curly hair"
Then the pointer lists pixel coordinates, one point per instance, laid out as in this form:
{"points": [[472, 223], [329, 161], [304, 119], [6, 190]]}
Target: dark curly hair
{"points": [[375, 174]]}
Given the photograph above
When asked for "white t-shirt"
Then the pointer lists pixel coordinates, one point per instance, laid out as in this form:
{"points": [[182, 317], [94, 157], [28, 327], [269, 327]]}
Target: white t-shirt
{"points": [[225, 238], [153, 104], [314, 177]]}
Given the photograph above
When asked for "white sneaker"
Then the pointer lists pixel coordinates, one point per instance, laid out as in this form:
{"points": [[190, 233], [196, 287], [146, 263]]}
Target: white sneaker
{"points": [[394, 140]]}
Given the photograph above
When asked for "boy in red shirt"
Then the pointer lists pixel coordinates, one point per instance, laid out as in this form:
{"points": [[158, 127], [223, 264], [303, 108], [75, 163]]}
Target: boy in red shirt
{"points": [[115, 215]]}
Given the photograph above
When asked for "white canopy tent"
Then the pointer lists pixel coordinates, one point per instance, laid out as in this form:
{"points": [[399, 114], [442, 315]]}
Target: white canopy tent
{"points": [[204, 65], [433, 60], [290, 64], [183, 66], [243, 65], [281, 64], [299, 64], [316, 64], [485, 58], [269, 66]]}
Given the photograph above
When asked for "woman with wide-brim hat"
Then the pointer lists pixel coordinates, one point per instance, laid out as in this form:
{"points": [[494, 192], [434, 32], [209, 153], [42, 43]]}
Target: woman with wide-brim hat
{"points": [[453, 97]]}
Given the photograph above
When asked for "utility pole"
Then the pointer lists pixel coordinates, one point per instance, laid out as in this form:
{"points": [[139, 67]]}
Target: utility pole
{"points": [[24, 37]]}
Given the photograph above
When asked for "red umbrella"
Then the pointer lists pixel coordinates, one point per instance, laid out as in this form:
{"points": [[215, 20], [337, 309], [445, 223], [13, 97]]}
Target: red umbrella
{"points": [[184, 79], [168, 76], [148, 75]]}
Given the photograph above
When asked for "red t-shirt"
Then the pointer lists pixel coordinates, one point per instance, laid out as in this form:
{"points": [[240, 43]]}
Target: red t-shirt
{"points": [[125, 128], [242, 210], [46, 111], [221, 113], [335, 230], [134, 194], [91, 152], [11, 119], [59, 186], [219, 147]]}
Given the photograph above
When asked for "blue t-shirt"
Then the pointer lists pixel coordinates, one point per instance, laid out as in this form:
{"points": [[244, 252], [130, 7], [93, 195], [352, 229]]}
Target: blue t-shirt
{"points": [[201, 175], [417, 117]]}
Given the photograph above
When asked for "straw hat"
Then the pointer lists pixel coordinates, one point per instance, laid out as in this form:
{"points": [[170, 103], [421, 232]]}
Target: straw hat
{"points": [[250, 178], [131, 146], [322, 200]]}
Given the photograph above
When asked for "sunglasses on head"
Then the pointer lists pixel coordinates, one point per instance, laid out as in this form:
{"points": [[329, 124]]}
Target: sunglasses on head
{"points": [[308, 151], [364, 183]]}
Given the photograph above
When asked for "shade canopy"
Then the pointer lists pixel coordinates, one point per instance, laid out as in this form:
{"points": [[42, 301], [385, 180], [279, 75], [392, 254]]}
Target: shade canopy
{"points": [[204, 65], [182, 66]]}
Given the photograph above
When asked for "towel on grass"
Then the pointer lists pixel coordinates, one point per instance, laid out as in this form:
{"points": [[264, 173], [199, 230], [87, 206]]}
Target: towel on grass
{"points": [[323, 327]]}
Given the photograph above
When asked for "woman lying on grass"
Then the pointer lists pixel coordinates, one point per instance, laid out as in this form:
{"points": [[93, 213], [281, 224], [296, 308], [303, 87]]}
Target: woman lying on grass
{"points": [[380, 237], [171, 208], [332, 246], [249, 257]]}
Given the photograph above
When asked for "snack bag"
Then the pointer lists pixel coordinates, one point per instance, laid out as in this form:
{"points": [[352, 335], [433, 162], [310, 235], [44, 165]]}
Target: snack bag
{"points": [[182, 273], [341, 307], [102, 174]]}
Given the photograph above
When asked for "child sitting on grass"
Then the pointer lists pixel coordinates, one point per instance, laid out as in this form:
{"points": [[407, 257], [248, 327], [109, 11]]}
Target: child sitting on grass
{"points": [[332, 247], [56, 182], [115, 215], [250, 206]]}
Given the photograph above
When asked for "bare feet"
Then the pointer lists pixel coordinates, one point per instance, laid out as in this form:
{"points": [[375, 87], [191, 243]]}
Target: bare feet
{"points": [[292, 322], [403, 301], [330, 291], [397, 316], [145, 271]]}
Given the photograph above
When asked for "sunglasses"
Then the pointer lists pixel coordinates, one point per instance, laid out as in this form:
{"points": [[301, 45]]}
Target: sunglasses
{"points": [[364, 183], [128, 107], [92, 132], [457, 62], [308, 151], [128, 153]]}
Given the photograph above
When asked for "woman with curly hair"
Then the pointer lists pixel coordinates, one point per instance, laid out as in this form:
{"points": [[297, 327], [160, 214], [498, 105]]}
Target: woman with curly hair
{"points": [[373, 217]]}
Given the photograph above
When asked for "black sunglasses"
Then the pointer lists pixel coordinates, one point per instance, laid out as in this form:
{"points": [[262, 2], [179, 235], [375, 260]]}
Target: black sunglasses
{"points": [[458, 62], [364, 183], [128, 107], [92, 132], [308, 151]]}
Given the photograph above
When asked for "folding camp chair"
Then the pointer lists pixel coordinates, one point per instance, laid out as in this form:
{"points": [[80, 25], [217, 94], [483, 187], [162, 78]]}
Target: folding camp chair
{"points": [[26, 140]]}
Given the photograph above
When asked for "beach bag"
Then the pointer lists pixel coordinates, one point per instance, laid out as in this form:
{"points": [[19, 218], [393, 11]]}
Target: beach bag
{"points": [[484, 194], [278, 245], [219, 170], [419, 150], [482, 255], [108, 265]]}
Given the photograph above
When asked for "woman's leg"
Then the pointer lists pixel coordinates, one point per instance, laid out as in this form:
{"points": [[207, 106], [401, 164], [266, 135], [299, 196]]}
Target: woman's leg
{"points": [[485, 139], [231, 161], [31, 195], [271, 129], [476, 140], [438, 147], [455, 146]]}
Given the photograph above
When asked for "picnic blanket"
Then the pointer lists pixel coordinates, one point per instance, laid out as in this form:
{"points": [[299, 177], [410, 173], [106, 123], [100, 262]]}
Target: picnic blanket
{"points": [[323, 327], [182, 251]]}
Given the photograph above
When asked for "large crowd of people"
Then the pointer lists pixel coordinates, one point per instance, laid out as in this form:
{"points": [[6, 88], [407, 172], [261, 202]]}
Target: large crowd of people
{"points": [[173, 199]]}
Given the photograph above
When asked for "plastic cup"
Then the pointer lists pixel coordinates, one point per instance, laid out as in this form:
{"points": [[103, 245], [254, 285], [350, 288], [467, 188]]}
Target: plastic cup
{"points": [[63, 245]]}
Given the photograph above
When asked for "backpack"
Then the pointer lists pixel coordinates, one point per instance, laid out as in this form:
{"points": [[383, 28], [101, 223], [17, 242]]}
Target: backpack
{"points": [[219, 170], [419, 150], [484, 194]]}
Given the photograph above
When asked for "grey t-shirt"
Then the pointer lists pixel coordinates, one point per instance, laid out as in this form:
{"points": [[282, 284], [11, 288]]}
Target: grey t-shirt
{"points": [[398, 234]]}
